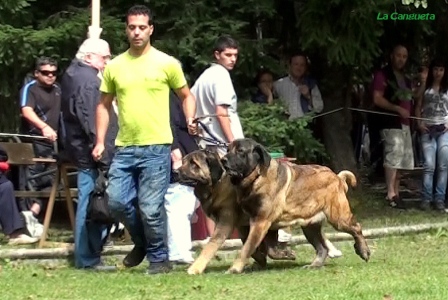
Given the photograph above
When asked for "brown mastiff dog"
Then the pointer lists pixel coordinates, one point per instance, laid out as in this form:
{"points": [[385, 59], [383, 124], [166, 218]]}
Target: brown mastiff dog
{"points": [[276, 195], [203, 170]]}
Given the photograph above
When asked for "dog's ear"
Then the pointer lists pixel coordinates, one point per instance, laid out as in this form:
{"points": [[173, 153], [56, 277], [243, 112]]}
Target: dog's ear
{"points": [[214, 166], [264, 157]]}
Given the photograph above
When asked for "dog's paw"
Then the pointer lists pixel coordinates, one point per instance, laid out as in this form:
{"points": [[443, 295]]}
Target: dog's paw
{"points": [[234, 270], [313, 266], [334, 253], [363, 252], [193, 271]]}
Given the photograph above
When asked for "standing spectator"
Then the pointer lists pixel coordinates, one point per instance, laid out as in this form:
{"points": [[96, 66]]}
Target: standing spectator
{"points": [[10, 219], [180, 200], [298, 90], [433, 107], [80, 96], [40, 102], [392, 94], [141, 79]]}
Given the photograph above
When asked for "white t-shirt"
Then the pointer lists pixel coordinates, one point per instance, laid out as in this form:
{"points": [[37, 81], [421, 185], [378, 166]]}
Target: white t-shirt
{"points": [[214, 87]]}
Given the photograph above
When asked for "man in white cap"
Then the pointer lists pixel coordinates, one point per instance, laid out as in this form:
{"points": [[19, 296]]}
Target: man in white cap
{"points": [[80, 96]]}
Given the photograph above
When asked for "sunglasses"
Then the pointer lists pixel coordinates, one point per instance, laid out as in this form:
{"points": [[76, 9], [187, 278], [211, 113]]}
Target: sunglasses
{"points": [[47, 73]]}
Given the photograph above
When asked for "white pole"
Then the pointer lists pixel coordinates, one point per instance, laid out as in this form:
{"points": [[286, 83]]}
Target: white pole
{"points": [[94, 28]]}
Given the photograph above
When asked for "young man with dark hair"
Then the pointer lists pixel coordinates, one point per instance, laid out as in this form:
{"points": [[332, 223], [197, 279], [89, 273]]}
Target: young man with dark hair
{"points": [[215, 95], [392, 93], [141, 79], [40, 103]]}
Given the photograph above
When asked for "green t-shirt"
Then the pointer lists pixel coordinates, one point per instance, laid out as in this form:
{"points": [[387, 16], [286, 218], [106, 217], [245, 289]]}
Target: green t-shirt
{"points": [[141, 85]]}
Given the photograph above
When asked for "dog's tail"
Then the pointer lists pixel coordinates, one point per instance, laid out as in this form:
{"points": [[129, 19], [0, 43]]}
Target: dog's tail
{"points": [[347, 177]]}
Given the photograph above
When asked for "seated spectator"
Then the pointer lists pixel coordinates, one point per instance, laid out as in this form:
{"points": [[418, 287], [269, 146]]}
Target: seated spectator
{"points": [[265, 88], [180, 200], [433, 107], [40, 102], [298, 90], [10, 219]]}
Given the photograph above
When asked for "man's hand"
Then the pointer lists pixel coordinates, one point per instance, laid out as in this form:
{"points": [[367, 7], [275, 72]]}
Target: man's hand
{"points": [[49, 133], [192, 126], [423, 129], [264, 88], [176, 159], [98, 151], [403, 112], [305, 91]]}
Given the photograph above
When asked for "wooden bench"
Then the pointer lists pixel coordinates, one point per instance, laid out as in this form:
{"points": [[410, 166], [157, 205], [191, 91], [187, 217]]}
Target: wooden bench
{"points": [[22, 155]]}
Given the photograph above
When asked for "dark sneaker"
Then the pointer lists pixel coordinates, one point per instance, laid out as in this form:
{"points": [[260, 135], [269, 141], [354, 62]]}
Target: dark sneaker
{"points": [[425, 205], [439, 206], [159, 268], [135, 257]]}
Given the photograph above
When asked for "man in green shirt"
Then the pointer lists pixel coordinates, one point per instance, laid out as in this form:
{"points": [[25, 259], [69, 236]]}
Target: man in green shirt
{"points": [[139, 175]]}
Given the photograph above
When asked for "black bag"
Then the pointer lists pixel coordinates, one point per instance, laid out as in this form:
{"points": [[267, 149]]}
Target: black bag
{"points": [[98, 208]]}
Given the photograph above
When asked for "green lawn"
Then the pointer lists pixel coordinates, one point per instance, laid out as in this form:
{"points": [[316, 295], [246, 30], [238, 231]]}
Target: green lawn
{"points": [[410, 267]]}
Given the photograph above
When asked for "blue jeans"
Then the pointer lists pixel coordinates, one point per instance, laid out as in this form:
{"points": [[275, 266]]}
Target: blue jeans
{"points": [[435, 154], [138, 180], [88, 237]]}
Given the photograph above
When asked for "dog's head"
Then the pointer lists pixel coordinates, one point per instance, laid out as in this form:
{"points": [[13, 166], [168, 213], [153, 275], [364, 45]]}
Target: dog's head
{"points": [[243, 157], [201, 167]]}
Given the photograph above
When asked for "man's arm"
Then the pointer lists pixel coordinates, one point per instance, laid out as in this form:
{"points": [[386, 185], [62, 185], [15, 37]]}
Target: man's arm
{"points": [[27, 105], [102, 116], [224, 121], [29, 114], [188, 102], [86, 103], [379, 85], [316, 102]]}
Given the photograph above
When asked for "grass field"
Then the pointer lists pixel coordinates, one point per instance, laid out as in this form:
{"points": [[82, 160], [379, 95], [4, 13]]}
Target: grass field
{"points": [[410, 267]]}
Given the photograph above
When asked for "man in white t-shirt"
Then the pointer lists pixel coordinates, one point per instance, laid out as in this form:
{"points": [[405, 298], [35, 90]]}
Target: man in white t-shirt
{"points": [[215, 95]]}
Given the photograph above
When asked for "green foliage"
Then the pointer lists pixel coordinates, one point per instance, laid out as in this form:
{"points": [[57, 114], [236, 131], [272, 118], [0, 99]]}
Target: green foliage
{"points": [[269, 125]]}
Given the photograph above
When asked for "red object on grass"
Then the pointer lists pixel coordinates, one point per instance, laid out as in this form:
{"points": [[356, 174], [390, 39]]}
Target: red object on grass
{"points": [[4, 166]]}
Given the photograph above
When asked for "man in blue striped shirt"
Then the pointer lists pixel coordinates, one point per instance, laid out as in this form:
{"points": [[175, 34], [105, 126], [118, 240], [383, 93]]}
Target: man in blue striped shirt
{"points": [[40, 104]]}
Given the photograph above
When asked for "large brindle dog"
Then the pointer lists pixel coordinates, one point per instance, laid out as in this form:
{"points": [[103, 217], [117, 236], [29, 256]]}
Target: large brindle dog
{"points": [[276, 195], [219, 199]]}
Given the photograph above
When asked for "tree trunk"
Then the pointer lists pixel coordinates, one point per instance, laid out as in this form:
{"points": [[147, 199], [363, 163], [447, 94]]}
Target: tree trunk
{"points": [[337, 126]]}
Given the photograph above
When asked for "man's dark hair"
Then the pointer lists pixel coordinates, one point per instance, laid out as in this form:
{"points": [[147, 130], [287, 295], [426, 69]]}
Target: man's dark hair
{"points": [[299, 53], [225, 42], [140, 10], [395, 46], [43, 61]]}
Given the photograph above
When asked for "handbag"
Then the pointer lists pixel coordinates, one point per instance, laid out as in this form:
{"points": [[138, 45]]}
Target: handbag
{"points": [[98, 208]]}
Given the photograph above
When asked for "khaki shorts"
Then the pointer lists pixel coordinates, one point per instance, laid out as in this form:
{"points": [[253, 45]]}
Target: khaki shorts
{"points": [[398, 150]]}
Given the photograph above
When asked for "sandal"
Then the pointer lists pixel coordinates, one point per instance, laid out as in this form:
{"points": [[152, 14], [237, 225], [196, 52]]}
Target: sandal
{"points": [[396, 202]]}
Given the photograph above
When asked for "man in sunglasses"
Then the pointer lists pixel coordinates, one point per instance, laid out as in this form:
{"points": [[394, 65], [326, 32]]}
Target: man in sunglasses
{"points": [[40, 103]]}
